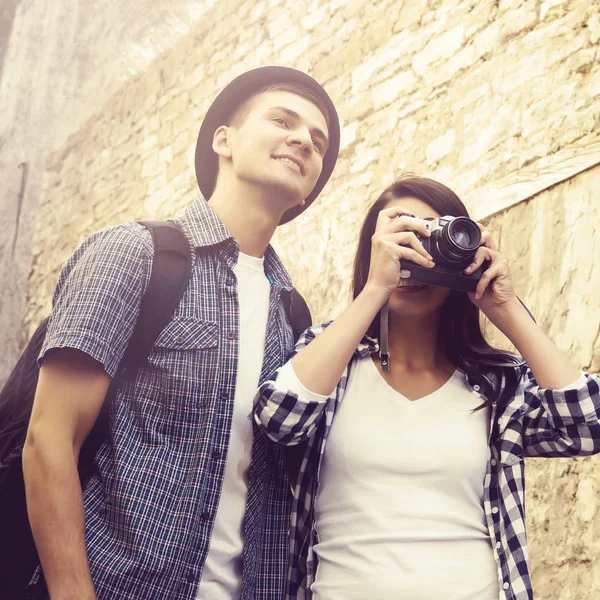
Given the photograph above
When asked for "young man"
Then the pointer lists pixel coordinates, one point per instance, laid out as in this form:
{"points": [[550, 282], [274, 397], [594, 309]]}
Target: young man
{"points": [[187, 501]]}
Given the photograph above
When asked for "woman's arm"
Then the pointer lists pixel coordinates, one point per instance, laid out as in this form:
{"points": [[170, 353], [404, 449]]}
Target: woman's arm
{"points": [[551, 368], [561, 422], [321, 365], [322, 355], [495, 296], [286, 411], [561, 405]]}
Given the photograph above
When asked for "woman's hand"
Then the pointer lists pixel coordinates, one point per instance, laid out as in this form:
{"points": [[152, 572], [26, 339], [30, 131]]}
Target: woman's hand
{"points": [[395, 239], [495, 290]]}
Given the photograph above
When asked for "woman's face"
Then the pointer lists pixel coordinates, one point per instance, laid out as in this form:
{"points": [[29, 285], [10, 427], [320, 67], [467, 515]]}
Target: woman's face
{"points": [[416, 301]]}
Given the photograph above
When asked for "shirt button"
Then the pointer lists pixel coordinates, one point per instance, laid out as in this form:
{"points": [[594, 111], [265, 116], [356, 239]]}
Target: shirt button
{"points": [[231, 335], [505, 585], [498, 544], [216, 454], [190, 577], [493, 462], [476, 388], [178, 341], [495, 510], [205, 515], [224, 396]]}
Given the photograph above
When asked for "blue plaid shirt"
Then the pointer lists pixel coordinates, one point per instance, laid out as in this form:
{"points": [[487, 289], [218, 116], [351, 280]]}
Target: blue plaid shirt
{"points": [[533, 422], [150, 506]]}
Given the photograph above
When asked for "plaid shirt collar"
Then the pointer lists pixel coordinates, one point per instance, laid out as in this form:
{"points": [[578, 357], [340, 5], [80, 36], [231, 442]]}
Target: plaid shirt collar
{"points": [[203, 228]]}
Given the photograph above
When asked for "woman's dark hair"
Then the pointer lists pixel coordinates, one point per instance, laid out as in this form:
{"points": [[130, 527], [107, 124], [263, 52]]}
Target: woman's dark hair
{"points": [[461, 334]]}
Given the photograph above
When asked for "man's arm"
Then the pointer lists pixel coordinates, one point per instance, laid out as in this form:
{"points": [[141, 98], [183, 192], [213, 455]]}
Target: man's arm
{"points": [[70, 392]]}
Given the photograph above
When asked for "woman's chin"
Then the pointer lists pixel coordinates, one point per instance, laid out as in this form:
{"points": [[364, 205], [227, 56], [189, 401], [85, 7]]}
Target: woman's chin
{"points": [[418, 300]]}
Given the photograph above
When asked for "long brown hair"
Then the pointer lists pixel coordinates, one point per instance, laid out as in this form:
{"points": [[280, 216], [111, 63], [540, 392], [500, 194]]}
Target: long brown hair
{"points": [[460, 331]]}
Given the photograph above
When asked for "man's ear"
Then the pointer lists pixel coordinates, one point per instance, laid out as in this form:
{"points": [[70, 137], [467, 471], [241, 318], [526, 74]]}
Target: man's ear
{"points": [[222, 142]]}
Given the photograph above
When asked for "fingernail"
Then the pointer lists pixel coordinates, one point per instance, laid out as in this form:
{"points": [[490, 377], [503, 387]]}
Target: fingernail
{"points": [[468, 268]]}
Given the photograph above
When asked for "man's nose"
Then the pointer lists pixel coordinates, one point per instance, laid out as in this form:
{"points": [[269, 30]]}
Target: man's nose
{"points": [[302, 139]]}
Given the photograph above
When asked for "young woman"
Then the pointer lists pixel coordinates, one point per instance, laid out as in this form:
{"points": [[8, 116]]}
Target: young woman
{"points": [[411, 480]]}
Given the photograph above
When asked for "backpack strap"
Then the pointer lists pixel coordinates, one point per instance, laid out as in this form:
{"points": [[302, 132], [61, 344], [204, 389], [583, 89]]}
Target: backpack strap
{"points": [[300, 319], [170, 274], [297, 311], [171, 267]]}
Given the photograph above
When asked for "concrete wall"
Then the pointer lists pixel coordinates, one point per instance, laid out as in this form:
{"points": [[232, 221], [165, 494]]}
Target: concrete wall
{"points": [[499, 100]]}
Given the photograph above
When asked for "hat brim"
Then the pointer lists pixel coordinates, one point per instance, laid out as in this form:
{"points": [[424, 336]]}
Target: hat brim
{"points": [[223, 107]]}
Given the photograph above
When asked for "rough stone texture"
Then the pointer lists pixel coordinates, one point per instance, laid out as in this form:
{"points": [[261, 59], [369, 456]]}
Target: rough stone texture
{"points": [[466, 92], [551, 242], [60, 62]]}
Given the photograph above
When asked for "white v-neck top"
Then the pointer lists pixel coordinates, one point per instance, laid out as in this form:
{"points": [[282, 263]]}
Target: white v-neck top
{"points": [[399, 512]]}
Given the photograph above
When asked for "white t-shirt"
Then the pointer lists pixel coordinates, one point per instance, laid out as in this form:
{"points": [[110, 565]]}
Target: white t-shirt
{"points": [[222, 574], [399, 513]]}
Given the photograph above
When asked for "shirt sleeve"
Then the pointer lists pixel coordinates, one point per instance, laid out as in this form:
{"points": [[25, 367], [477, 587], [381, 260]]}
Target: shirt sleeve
{"points": [[562, 422], [97, 299], [287, 380], [284, 408]]}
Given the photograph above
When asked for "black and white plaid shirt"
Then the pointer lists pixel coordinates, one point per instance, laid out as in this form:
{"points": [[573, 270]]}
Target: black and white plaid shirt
{"points": [[533, 422], [151, 505]]}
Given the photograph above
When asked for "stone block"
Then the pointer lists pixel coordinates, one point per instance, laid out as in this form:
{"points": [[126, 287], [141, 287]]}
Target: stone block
{"points": [[165, 155], [443, 46], [149, 143], [150, 165], [177, 166], [402, 84], [440, 147], [174, 107], [314, 18]]}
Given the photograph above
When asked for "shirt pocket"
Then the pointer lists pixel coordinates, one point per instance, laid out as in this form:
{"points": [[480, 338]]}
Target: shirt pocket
{"points": [[183, 363], [188, 333]]}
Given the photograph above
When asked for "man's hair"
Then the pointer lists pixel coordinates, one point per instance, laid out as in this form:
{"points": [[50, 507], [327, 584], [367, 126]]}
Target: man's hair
{"points": [[241, 112]]}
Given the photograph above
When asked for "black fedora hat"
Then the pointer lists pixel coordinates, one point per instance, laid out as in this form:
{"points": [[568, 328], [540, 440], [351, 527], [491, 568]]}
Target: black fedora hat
{"points": [[231, 97]]}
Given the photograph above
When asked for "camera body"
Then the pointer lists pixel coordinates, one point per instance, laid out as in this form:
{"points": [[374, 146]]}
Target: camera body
{"points": [[452, 244]]}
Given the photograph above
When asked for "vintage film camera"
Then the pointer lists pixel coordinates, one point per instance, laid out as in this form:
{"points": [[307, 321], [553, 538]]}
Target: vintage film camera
{"points": [[453, 244]]}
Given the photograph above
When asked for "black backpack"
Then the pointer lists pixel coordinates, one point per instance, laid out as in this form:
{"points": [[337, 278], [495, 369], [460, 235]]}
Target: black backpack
{"points": [[168, 280]]}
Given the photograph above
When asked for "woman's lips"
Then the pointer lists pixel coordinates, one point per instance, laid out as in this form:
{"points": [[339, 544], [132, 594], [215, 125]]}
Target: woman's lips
{"points": [[412, 288]]}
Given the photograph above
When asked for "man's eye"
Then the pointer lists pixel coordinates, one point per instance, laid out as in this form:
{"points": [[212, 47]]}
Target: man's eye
{"points": [[317, 145], [280, 120]]}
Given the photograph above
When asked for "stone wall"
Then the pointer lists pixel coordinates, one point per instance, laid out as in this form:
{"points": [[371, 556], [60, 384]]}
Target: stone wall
{"points": [[60, 62], [553, 243], [478, 95]]}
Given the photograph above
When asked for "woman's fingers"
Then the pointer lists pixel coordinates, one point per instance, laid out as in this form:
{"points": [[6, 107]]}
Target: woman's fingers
{"points": [[486, 238], [396, 219], [498, 271], [488, 276], [391, 213], [480, 257], [408, 253], [405, 223], [409, 239]]}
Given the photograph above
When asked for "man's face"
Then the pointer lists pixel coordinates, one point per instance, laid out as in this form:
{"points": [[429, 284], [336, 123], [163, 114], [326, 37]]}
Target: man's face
{"points": [[278, 144]]}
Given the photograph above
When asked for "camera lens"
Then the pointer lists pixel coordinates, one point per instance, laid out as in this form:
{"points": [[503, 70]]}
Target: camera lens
{"points": [[459, 240]]}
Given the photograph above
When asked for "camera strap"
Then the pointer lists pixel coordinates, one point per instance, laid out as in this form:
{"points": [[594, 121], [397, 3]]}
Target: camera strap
{"points": [[384, 355]]}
